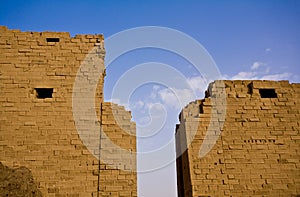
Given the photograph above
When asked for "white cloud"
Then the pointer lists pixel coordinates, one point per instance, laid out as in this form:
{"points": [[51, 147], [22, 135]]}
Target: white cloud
{"points": [[149, 105], [256, 65], [167, 96], [276, 77], [172, 97], [156, 87], [245, 75], [261, 76], [268, 50], [138, 105], [198, 85], [176, 98], [268, 69]]}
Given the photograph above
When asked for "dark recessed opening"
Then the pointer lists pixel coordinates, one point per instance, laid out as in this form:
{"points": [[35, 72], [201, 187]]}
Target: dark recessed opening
{"points": [[250, 88], [43, 93], [52, 39], [267, 93], [201, 109]]}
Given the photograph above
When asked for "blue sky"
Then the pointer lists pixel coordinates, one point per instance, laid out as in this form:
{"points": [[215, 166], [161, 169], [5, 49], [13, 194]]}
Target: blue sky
{"points": [[247, 40]]}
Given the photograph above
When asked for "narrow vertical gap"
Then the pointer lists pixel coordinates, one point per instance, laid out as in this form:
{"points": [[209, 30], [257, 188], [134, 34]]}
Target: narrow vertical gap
{"points": [[201, 111], [222, 165], [250, 88], [100, 142]]}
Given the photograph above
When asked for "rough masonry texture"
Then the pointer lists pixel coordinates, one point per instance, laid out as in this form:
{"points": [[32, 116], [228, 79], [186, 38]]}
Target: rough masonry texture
{"points": [[38, 132], [17, 182], [258, 150]]}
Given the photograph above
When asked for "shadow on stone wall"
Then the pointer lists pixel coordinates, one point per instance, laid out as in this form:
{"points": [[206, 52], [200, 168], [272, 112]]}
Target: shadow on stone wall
{"points": [[17, 182]]}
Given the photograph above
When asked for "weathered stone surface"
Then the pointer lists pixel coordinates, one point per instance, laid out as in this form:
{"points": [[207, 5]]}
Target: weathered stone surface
{"points": [[257, 152], [17, 182], [38, 129]]}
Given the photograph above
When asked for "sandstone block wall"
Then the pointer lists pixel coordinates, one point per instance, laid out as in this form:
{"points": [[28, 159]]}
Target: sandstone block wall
{"points": [[37, 74], [257, 152], [121, 132]]}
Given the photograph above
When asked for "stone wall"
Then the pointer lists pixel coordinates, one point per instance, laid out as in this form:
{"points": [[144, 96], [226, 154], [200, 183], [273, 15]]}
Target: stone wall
{"points": [[38, 131], [121, 132], [257, 152]]}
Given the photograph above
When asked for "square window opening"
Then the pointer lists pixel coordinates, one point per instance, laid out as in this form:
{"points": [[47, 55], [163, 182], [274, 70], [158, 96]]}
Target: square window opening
{"points": [[43, 93], [267, 93]]}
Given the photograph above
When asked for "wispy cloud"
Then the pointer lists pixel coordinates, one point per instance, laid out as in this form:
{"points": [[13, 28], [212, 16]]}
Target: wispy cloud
{"points": [[138, 105], [281, 76], [261, 76], [256, 65], [176, 98], [267, 50], [198, 85], [245, 75], [256, 73], [171, 97]]}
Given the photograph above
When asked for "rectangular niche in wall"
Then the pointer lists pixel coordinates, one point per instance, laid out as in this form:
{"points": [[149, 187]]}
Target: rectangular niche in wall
{"points": [[52, 39], [267, 93], [43, 93]]}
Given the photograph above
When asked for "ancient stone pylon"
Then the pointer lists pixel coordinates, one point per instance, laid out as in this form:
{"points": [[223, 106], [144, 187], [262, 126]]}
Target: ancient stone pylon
{"points": [[37, 127], [257, 150]]}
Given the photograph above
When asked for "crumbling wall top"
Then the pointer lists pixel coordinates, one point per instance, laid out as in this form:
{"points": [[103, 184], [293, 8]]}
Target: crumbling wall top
{"points": [[65, 36]]}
